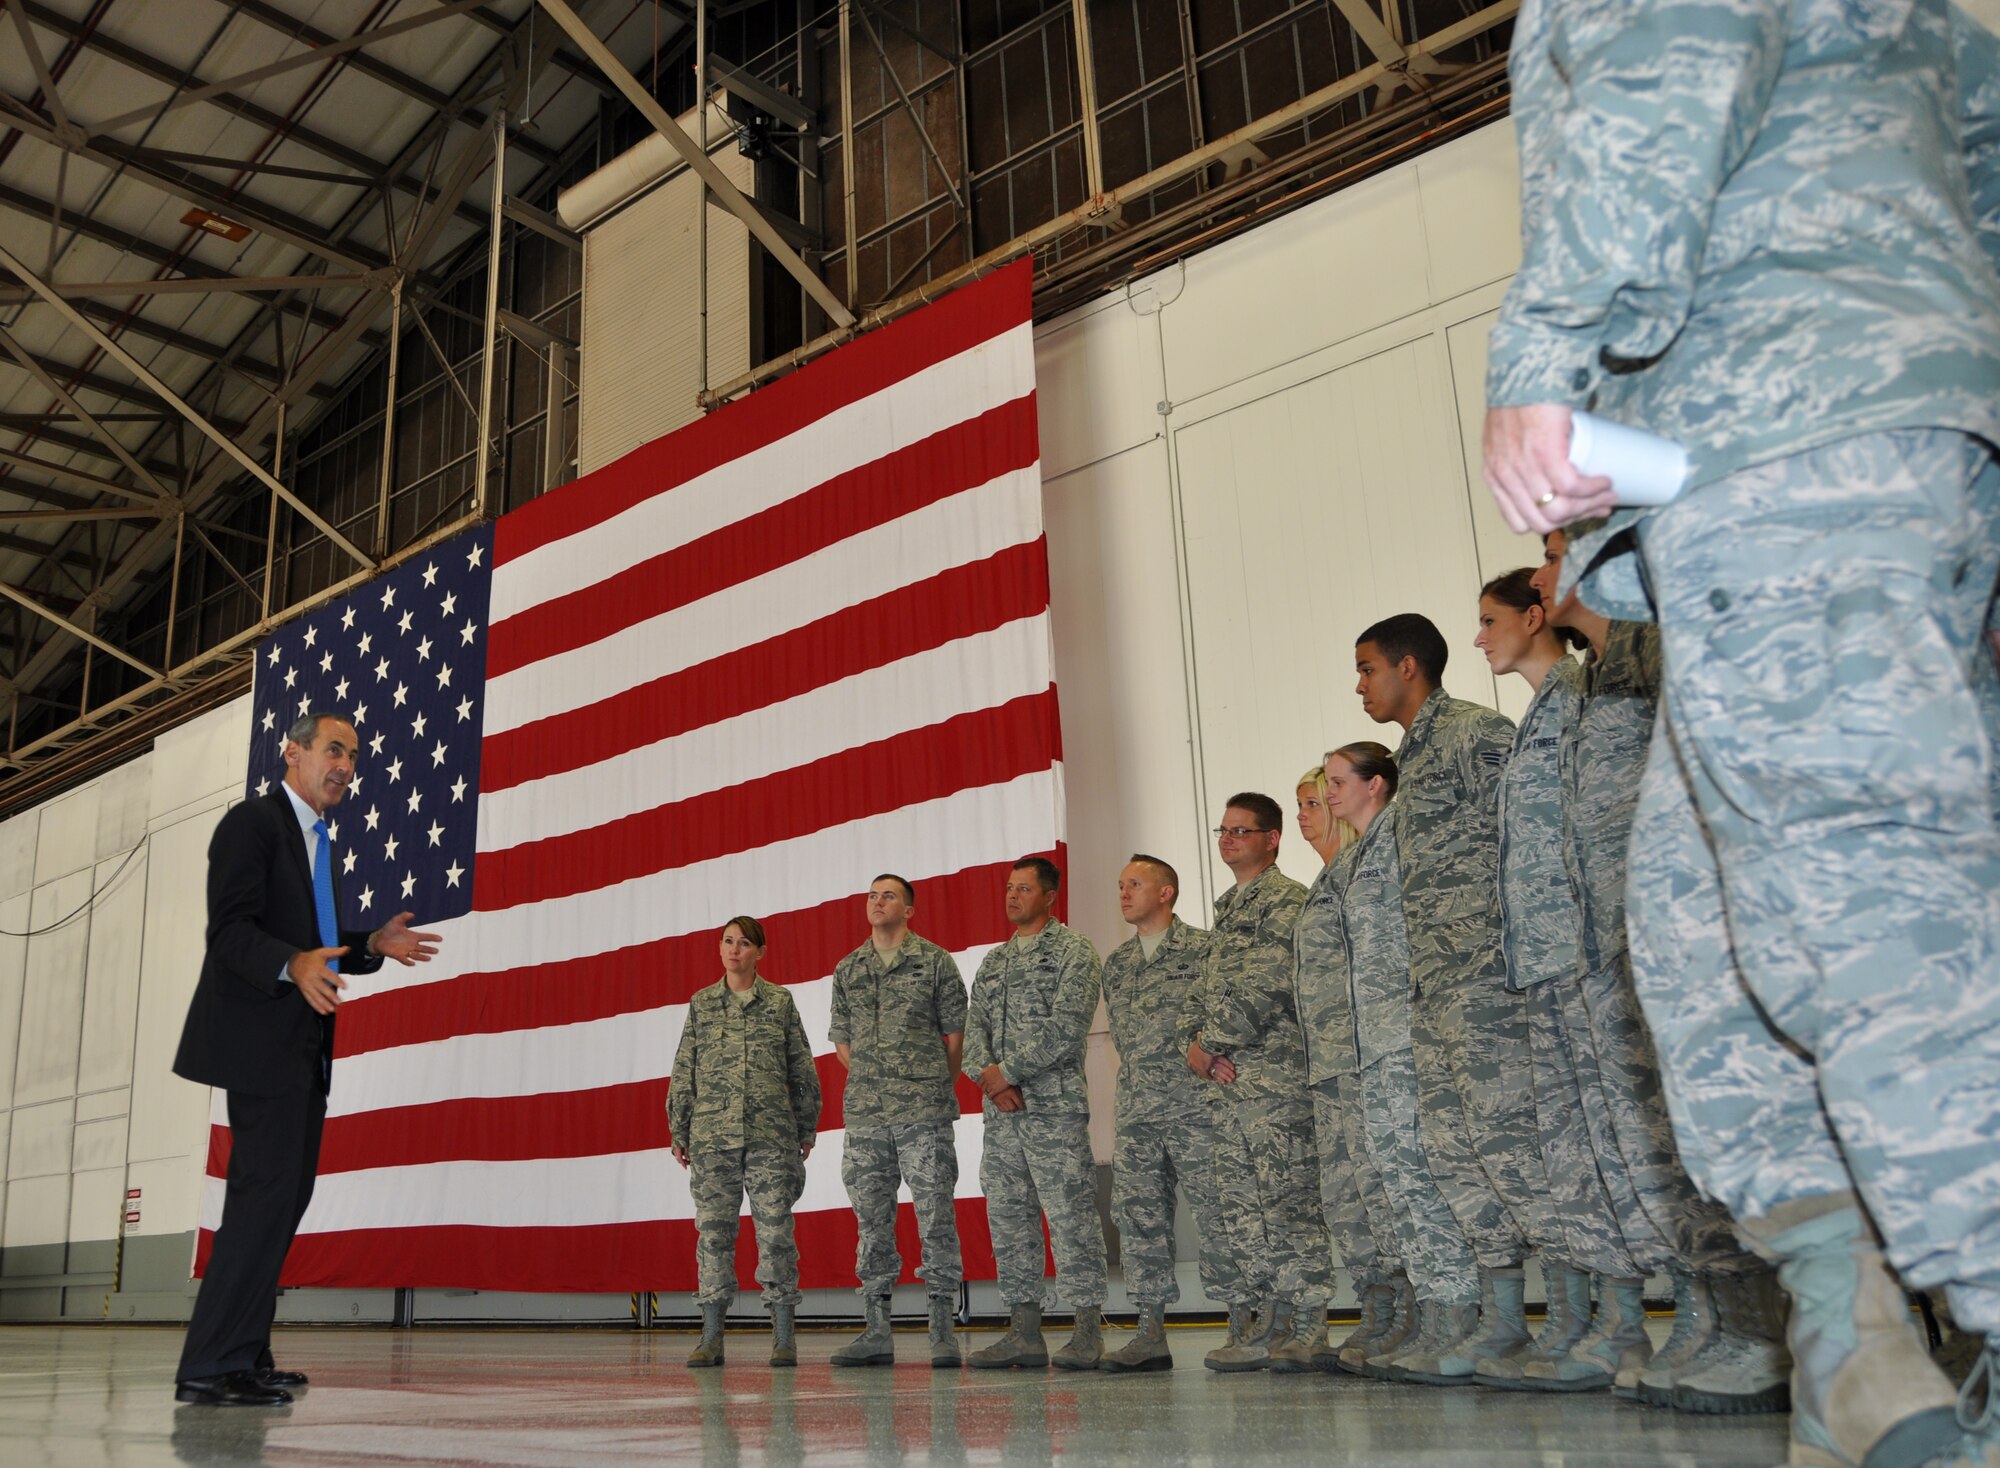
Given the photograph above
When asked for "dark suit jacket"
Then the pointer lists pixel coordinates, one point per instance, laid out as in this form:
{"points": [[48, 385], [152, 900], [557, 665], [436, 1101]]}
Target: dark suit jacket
{"points": [[248, 1030]]}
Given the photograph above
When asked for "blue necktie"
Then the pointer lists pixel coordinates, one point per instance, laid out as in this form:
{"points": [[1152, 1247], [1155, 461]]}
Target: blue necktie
{"points": [[329, 926]]}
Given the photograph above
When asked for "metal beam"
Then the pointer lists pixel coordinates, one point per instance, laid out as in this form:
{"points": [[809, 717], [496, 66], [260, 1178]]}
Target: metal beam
{"points": [[289, 26], [139, 245], [200, 285], [14, 593], [104, 435], [321, 52], [533, 333], [541, 222], [193, 188], [221, 440], [74, 476], [703, 166], [917, 116], [149, 65], [100, 512], [40, 65], [765, 98]]}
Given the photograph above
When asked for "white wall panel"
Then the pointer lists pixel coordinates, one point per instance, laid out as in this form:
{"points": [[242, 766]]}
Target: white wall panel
{"points": [[170, 1115], [198, 760], [97, 1105], [41, 1141], [123, 797], [18, 839], [1471, 191], [1281, 292], [52, 1001], [111, 971], [169, 1200], [1097, 374], [98, 1144], [68, 840], [97, 1204], [1310, 513], [13, 979], [1498, 548], [37, 1212], [1127, 755]]}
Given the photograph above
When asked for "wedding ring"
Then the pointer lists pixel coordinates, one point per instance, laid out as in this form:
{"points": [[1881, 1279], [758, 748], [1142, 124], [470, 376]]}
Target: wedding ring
{"points": [[1548, 498]]}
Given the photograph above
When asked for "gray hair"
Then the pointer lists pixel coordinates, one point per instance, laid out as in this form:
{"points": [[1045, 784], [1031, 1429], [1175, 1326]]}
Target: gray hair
{"points": [[305, 728]]}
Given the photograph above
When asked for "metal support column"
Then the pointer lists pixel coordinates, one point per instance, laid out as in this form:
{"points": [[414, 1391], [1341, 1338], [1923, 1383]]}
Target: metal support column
{"points": [[482, 489], [389, 419], [852, 254], [1086, 86]]}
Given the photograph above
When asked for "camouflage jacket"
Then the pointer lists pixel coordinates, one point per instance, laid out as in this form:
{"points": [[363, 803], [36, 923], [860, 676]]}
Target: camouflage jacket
{"points": [[1144, 998], [1746, 225], [1242, 1005], [894, 1021], [1538, 906], [744, 1074], [1031, 1010], [1448, 840], [1378, 944], [1603, 754], [1320, 975]]}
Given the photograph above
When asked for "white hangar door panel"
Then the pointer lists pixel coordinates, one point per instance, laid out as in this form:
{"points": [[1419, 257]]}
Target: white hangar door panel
{"points": [[1309, 512]]}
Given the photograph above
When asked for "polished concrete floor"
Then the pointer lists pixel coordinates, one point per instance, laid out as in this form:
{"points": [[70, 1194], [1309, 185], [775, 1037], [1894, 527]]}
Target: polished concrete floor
{"points": [[102, 1396]]}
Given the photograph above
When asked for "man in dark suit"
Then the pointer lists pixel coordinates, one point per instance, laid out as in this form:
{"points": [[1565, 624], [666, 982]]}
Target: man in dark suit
{"points": [[261, 1028]]}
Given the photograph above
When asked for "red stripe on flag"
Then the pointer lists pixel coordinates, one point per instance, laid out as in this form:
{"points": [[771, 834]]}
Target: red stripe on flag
{"points": [[956, 912], [611, 1258], [966, 600], [949, 462], [866, 366], [601, 1122], [989, 747]]}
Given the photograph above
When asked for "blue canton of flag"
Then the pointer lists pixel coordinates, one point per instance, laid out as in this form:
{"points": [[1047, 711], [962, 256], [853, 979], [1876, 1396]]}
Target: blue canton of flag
{"points": [[404, 659]]}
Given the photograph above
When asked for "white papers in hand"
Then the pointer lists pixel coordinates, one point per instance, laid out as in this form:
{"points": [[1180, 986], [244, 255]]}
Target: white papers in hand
{"points": [[1644, 469]]}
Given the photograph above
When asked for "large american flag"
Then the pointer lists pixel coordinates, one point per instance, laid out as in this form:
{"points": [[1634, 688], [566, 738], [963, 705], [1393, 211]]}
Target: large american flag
{"points": [[742, 670]]}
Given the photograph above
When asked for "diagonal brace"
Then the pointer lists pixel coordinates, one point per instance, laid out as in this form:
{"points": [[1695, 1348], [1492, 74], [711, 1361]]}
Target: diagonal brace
{"points": [[187, 410]]}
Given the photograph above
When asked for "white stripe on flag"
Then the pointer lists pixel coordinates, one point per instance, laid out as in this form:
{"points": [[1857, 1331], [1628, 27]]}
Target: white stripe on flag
{"points": [[979, 379], [956, 531], [978, 672], [968, 828], [576, 1192], [617, 1050]]}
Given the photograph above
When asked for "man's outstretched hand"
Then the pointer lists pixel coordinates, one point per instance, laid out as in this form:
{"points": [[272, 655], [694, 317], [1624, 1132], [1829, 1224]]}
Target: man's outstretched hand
{"points": [[398, 940]]}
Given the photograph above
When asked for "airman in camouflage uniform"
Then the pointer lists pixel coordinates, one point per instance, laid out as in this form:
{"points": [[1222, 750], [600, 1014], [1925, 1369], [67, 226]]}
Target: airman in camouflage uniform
{"points": [[1470, 1029], [1764, 223], [1166, 1134], [1721, 1317], [1032, 1003], [1356, 1204], [1444, 1275], [1240, 1021], [897, 1024], [1539, 921], [742, 1111]]}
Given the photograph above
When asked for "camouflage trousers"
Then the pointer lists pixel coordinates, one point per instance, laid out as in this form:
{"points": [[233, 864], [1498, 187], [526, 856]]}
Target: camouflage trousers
{"points": [[1034, 1165], [1351, 1195], [1664, 1217], [874, 1161], [1477, 1113], [1822, 775], [719, 1178], [1267, 1174], [1597, 1230], [1164, 1145], [1432, 1246]]}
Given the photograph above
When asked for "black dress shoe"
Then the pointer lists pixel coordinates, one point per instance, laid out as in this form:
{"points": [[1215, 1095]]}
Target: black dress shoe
{"points": [[231, 1389], [272, 1376]]}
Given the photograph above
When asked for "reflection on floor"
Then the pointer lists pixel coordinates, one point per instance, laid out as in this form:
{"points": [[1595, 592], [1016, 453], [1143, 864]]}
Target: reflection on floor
{"points": [[103, 1396]]}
